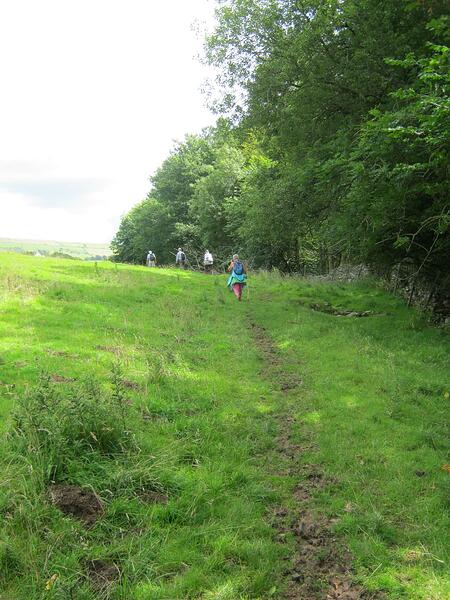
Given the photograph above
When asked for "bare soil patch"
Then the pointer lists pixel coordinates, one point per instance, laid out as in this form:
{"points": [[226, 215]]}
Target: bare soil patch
{"points": [[290, 381], [112, 349], [81, 503], [329, 309], [131, 385], [320, 566], [273, 365], [61, 378], [153, 497], [62, 353], [102, 574], [264, 343]]}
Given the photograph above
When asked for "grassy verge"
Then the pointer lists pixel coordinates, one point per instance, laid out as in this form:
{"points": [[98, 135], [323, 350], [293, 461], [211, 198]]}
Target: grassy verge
{"points": [[375, 398], [182, 468]]}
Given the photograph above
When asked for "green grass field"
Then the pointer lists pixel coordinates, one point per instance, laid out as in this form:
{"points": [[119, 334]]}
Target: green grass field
{"points": [[151, 389]]}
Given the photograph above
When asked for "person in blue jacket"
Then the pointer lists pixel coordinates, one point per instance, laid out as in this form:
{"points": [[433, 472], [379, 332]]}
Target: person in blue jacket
{"points": [[238, 277]]}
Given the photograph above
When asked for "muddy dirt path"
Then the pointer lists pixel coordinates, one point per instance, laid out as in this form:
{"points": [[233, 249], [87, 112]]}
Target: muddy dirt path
{"points": [[319, 567]]}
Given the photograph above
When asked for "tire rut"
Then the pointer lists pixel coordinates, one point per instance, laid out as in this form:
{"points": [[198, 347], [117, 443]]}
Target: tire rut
{"points": [[320, 566]]}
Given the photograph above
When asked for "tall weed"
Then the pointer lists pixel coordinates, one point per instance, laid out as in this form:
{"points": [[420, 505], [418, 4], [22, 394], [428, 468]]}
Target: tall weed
{"points": [[54, 424]]}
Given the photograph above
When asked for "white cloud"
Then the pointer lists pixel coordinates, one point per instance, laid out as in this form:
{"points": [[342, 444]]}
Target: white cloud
{"points": [[55, 192], [93, 93]]}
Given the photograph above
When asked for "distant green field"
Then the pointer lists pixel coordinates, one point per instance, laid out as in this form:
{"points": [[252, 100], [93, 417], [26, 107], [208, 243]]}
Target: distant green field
{"points": [[195, 419], [48, 247]]}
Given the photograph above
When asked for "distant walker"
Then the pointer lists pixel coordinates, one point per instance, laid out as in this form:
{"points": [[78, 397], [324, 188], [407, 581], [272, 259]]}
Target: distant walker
{"points": [[151, 259], [180, 259], [208, 262]]}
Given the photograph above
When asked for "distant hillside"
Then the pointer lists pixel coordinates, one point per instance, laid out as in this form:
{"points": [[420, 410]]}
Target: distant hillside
{"points": [[50, 247]]}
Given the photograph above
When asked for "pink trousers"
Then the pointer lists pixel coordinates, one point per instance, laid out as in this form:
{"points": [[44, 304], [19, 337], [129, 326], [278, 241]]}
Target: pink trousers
{"points": [[237, 289]]}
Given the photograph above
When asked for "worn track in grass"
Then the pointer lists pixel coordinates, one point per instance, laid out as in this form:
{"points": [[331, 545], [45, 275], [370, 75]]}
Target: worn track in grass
{"points": [[319, 567]]}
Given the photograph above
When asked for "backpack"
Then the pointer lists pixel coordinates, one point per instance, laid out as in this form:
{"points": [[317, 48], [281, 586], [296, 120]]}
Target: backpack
{"points": [[238, 268], [182, 256], [151, 257]]}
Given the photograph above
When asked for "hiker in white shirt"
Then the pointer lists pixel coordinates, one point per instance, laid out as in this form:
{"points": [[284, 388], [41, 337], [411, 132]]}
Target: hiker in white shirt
{"points": [[208, 261]]}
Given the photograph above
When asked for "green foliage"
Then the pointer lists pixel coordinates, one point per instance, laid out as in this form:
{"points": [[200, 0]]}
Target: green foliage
{"points": [[213, 197], [352, 98], [144, 228], [399, 169], [159, 222], [336, 148]]}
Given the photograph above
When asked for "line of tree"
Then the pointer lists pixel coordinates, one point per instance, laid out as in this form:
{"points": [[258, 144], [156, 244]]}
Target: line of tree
{"points": [[332, 142]]}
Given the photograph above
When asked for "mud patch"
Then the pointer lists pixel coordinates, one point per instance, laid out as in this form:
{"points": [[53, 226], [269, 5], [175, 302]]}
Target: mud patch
{"points": [[62, 353], [329, 309], [290, 382], [81, 503], [130, 385], [112, 349], [61, 378], [265, 344], [152, 497], [102, 574], [273, 364], [320, 567]]}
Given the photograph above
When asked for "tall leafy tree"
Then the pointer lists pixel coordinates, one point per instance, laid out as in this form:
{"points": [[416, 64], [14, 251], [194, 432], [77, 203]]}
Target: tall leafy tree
{"points": [[400, 171], [212, 195], [339, 144], [310, 73]]}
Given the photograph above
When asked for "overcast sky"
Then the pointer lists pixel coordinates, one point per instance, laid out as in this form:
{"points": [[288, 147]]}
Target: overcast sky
{"points": [[93, 94]]}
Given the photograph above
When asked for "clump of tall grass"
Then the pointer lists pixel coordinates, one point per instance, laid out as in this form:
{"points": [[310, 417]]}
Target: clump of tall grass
{"points": [[270, 276], [81, 434], [55, 424], [12, 285], [158, 367]]}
